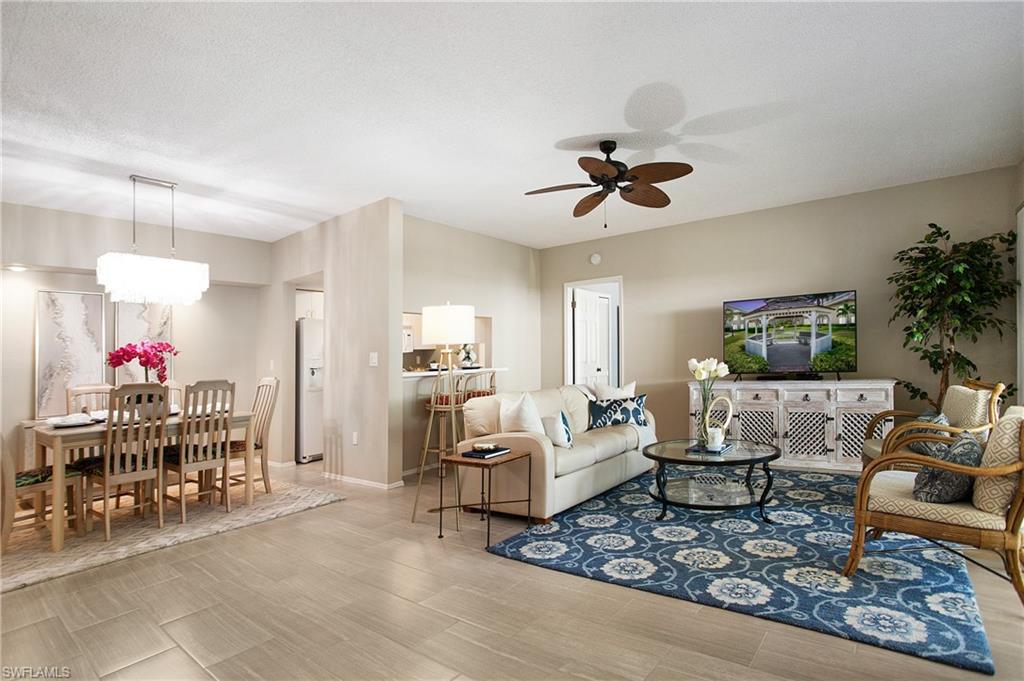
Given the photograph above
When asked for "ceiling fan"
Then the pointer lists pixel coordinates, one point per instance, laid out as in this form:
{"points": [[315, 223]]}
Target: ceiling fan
{"points": [[635, 185]]}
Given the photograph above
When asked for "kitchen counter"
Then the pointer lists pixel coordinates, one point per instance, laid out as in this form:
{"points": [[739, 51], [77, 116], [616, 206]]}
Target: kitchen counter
{"points": [[407, 375]]}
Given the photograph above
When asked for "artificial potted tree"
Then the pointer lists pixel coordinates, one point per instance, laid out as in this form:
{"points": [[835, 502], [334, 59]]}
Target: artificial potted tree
{"points": [[950, 293]]}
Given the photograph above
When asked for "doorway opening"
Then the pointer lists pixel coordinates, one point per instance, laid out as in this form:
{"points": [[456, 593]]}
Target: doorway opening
{"points": [[309, 375], [593, 332]]}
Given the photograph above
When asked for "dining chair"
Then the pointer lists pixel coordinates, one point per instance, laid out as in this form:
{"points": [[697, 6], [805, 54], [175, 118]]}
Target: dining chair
{"points": [[86, 398], [175, 392], [132, 452], [262, 412], [203, 442], [35, 484]]}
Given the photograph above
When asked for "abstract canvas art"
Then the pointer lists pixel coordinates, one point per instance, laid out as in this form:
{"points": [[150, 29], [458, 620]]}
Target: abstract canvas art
{"points": [[69, 346], [134, 322]]}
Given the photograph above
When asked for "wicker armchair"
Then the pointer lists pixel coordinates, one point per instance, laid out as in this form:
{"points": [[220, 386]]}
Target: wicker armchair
{"points": [[972, 408], [884, 502]]}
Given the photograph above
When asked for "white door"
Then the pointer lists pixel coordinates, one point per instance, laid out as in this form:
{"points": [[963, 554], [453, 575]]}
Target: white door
{"points": [[589, 367]]}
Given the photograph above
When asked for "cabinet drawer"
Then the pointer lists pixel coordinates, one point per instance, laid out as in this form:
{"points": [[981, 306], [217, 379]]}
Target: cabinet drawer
{"points": [[748, 395], [860, 395], [806, 395]]}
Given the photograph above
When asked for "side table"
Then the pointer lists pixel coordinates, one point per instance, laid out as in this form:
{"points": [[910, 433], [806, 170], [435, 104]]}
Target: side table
{"points": [[487, 467]]}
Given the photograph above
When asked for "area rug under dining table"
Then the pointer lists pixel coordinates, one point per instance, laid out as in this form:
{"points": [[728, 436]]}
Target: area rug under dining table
{"points": [[916, 602], [29, 559]]}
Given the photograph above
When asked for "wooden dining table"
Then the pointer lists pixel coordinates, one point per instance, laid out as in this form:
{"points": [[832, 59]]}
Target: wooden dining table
{"points": [[61, 441]]}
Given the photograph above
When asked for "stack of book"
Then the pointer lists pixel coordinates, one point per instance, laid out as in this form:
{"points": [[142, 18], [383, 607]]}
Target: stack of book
{"points": [[486, 452]]}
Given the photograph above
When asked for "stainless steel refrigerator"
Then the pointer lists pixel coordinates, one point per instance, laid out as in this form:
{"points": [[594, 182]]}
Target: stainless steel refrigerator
{"points": [[309, 390]]}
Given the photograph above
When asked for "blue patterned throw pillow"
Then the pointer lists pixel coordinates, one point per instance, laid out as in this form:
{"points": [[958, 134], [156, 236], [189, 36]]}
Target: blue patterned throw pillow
{"points": [[616, 412], [945, 487], [929, 448]]}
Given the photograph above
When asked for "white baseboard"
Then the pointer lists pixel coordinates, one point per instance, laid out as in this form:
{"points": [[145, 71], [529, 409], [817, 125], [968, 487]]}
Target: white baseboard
{"points": [[280, 464], [365, 483], [414, 471]]}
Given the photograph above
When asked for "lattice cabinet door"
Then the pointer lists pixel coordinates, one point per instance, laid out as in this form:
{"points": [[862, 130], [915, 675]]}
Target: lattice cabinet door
{"points": [[807, 434], [758, 423], [850, 435]]}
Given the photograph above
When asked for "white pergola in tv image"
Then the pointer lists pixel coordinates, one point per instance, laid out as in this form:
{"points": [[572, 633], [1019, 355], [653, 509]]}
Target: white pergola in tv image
{"points": [[788, 333]]}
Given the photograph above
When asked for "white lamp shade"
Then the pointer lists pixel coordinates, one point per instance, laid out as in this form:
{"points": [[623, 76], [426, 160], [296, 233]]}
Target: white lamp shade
{"points": [[448, 325], [131, 278]]}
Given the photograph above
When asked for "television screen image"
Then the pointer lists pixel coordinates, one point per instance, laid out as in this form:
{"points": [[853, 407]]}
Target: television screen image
{"points": [[816, 332]]}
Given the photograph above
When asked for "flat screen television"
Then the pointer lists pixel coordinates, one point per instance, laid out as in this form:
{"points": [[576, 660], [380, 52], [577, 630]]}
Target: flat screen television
{"points": [[810, 333]]}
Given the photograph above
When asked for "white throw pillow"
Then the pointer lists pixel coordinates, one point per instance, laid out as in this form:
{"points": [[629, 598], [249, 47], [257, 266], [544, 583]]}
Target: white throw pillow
{"points": [[557, 428], [608, 392], [520, 416]]}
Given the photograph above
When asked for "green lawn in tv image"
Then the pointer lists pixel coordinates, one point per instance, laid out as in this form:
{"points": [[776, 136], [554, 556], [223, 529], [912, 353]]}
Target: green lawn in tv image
{"points": [[775, 335]]}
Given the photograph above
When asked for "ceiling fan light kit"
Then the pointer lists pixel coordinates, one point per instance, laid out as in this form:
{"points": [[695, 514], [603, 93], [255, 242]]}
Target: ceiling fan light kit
{"points": [[635, 185]]}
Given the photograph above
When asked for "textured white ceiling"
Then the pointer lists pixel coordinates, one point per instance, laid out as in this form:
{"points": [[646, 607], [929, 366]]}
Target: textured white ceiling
{"points": [[274, 117]]}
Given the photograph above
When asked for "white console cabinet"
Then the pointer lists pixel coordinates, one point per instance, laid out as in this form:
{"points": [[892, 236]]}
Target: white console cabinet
{"points": [[816, 424]]}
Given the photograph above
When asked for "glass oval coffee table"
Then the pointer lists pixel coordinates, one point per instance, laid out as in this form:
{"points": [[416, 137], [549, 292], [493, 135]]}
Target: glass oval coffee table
{"points": [[711, 490]]}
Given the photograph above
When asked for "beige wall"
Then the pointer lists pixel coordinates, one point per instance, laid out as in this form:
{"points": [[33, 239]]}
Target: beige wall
{"points": [[359, 255], [501, 279], [676, 278], [57, 239], [61, 248], [223, 314]]}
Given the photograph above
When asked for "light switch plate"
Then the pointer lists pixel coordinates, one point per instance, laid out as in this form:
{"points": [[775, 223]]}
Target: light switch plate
{"points": [[374, 359]]}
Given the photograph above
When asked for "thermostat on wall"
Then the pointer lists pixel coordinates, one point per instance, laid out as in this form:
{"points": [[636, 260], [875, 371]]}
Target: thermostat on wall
{"points": [[595, 259]]}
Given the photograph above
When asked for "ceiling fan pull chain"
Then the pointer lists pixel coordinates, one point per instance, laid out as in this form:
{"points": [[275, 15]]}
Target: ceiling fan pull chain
{"points": [[606, 215]]}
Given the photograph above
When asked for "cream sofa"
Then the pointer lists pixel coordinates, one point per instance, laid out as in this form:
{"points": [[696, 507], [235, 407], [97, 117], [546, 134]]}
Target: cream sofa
{"points": [[598, 460]]}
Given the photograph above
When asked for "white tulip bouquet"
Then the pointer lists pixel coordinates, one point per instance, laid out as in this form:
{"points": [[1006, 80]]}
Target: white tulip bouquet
{"points": [[706, 373]]}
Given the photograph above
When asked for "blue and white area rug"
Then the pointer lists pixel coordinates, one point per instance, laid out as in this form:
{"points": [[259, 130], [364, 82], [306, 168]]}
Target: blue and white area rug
{"points": [[921, 602]]}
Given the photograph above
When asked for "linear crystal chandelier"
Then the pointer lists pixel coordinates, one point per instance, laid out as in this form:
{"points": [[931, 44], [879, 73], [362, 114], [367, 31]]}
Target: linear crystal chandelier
{"points": [[134, 278]]}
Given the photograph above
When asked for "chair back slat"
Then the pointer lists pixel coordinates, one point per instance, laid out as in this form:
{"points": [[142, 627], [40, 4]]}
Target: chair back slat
{"points": [[207, 411], [135, 428], [88, 397], [263, 408]]}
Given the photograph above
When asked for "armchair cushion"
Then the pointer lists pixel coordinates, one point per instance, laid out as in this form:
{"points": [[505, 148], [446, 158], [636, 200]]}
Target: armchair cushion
{"points": [[872, 448], [928, 448], [994, 494], [939, 486], [966, 407], [893, 492]]}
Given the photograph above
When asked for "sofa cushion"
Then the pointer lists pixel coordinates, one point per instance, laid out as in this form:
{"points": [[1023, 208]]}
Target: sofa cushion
{"points": [[520, 415], [558, 431], [610, 441], [576, 405], [939, 486], [872, 447], [610, 392], [893, 492], [619, 411], [993, 494], [575, 459], [966, 407]]}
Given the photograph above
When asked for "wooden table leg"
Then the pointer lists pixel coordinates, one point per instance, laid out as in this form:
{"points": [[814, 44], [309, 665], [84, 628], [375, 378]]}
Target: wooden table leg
{"points": [[57, 502], [250, 453], [40, 500]]}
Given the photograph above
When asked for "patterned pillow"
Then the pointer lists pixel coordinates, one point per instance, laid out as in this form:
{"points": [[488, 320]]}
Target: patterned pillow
{"points": [[994, 495], [557, 428], [937, 486], [966, 407], [617, 412], [929, 448]]}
